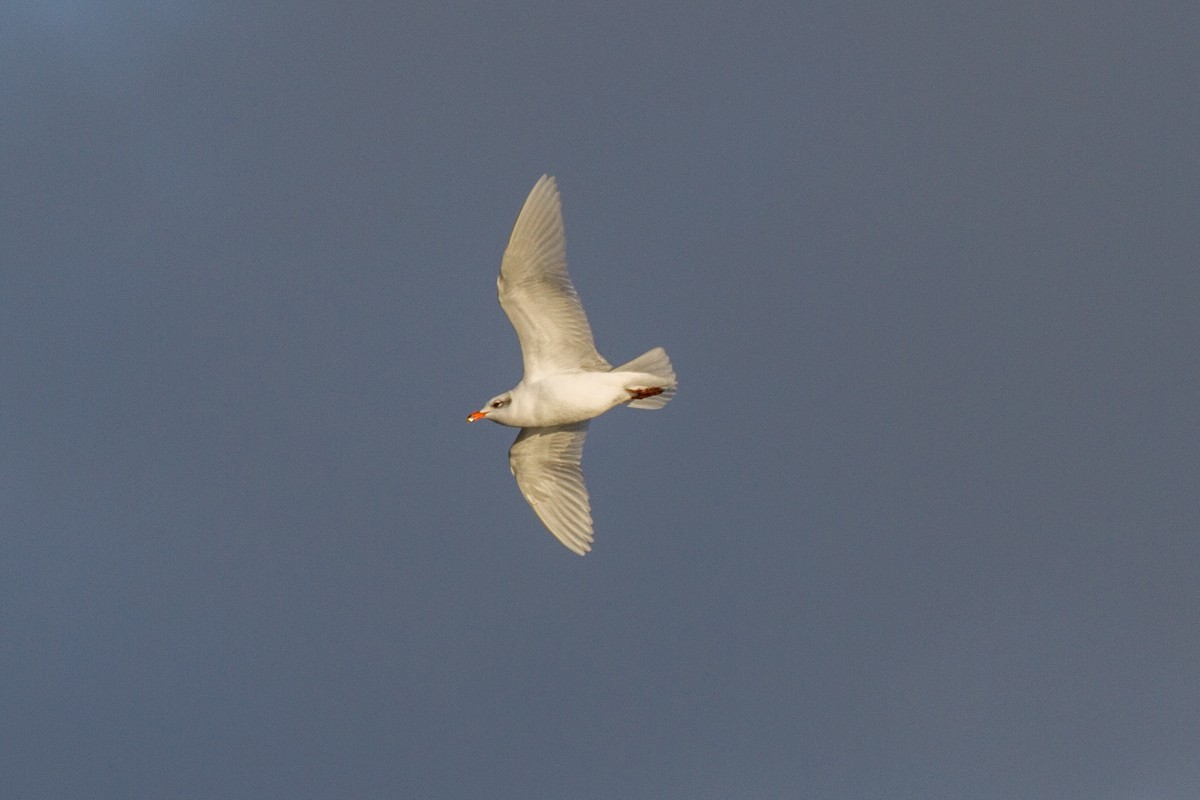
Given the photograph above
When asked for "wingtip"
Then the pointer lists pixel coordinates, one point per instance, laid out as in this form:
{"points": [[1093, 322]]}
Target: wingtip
{"points": [[578, 542]]}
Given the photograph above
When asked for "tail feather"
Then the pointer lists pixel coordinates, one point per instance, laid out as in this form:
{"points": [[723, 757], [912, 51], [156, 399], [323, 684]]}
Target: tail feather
{"points": [[654, 370]]}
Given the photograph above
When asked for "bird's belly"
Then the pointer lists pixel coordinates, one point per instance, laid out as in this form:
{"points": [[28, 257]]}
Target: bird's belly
{"points": [[575, 397]]}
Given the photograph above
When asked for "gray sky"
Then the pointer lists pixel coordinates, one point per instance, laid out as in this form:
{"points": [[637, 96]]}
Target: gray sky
{"points": [[921, 522]]}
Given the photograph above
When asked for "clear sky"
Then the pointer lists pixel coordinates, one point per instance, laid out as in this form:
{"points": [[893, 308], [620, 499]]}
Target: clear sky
{"points": [[922, 522]]}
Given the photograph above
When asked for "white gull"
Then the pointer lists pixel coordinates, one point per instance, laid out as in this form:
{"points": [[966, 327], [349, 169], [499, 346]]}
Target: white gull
{"points": [[566, 382]]}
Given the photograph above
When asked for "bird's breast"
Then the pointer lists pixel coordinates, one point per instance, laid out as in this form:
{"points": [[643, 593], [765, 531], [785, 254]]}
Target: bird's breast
{"points": [[571, 397]]}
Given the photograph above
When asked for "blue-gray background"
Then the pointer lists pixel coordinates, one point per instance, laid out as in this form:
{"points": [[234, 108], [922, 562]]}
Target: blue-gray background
{"points": [[922, 521]]}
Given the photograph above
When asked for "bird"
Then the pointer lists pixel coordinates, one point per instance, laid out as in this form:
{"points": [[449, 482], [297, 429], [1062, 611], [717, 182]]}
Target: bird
{"points": [[566, 382]]}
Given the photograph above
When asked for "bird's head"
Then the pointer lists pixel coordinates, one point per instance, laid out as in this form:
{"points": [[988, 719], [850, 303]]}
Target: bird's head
{"points": [[496, 409]]}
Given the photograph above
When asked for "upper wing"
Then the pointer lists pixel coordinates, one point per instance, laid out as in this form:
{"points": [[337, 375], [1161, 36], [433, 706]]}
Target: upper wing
{"points": [[536, 292], [545, 462]]}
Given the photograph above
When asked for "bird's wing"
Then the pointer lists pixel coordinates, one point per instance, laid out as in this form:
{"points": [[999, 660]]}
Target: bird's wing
{"points": [[536, 292], [545, 462]]}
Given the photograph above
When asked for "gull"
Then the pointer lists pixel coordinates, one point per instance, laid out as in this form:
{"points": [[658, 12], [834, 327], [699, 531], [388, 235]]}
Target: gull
{"points": [[566, 381]]}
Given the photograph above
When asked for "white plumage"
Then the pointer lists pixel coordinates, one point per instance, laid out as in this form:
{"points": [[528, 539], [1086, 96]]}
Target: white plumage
{"points": [[566, 382]]}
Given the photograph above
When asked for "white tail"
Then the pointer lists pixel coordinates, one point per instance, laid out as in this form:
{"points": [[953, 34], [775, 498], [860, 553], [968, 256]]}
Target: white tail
{"points": [[651, 369]]}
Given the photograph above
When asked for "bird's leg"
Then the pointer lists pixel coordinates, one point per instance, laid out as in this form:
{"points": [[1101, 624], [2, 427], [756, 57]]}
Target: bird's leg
{"points": [[643, 393]]}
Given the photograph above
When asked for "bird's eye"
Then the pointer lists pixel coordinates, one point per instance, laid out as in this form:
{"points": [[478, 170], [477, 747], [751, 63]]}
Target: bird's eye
{"points": [[499, 403]]}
